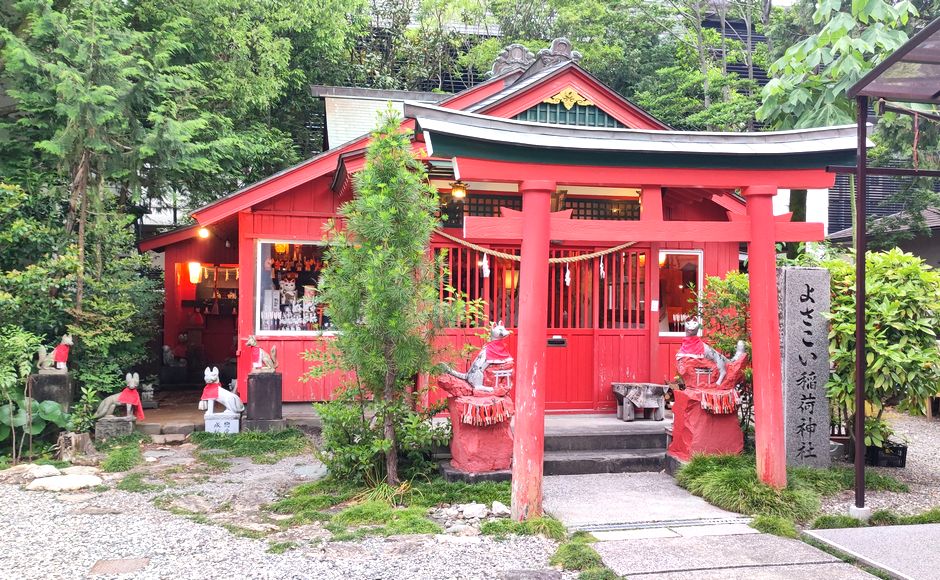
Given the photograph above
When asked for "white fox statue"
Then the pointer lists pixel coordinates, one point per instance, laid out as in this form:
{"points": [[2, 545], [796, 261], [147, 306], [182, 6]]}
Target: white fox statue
{"points": [[214, 391]]}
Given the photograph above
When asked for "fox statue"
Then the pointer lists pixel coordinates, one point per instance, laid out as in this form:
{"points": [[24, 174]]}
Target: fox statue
{"points": [[214, 391], [487, 356]]}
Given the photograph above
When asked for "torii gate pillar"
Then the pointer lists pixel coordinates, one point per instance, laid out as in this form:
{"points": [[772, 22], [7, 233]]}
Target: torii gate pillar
{"points": [[529, 430], [765, 337]]}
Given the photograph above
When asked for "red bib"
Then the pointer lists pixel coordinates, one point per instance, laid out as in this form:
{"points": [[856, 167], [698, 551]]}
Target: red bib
{"points": [[211, 391], [497, 350], [132, 397]]}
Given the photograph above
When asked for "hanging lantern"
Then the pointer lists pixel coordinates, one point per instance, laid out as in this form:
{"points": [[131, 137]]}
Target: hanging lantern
{"points": [[458, 189], [510, 279], [642, 260], [485, 267], [195, 272], [281, 248], [203, 233]]}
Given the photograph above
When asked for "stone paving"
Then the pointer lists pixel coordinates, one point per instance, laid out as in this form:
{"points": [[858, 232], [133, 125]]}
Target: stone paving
{"points": [[903, 551], [658, 531]]}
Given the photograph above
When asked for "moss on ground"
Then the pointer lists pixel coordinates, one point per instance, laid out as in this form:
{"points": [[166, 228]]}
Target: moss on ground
{"points": [[280, 547], [260, 446], [544, 526], [134, 482]]}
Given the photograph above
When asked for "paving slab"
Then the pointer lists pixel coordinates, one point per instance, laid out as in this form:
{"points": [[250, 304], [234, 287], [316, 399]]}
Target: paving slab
{"points": [[908, 552], [710, 553], [829, 571], [613, 498]]}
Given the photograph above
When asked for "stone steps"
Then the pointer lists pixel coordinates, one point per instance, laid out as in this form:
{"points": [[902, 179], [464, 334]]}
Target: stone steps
{"points": [[608, 440], [603, 461]]}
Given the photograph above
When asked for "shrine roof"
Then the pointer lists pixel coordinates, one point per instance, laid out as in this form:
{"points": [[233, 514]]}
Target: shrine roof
{"points": [[931, 217], [450, 133]]}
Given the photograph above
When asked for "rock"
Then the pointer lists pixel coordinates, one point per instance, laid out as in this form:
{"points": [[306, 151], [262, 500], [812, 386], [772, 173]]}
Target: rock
{"points": [[16, 474], [457, 529], [468, 531], [473, 511], [158, 453], [40, 471], [310, 471], [76, 497], [81, 470], [170, 439], [448, 539], [500, 509], [193, 504], [451, 512], [64, 482]]}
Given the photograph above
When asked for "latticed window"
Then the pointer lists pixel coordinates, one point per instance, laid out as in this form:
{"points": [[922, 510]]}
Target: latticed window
{"points": [[579, 115], [603, 209]]}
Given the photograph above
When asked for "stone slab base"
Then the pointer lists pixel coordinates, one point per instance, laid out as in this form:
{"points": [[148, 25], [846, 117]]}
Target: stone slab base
{"points": [[52, 387], [265, 424], [674, 464], [112, 427], [222, 423], [452, 474]]}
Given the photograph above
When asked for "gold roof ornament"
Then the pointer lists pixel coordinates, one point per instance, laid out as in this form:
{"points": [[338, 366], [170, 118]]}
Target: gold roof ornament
{"points": [[569, 98]]}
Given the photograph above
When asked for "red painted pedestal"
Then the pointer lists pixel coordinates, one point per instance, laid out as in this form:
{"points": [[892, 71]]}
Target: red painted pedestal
{"points": [[479, 449], [695, 430]]}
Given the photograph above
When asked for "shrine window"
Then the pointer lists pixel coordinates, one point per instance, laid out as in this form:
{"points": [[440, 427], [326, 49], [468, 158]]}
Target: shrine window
{"points": [[680, 283], [287, 298]]}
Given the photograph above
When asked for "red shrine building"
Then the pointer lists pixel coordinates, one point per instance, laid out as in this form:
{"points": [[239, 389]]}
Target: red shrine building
{"points": [[540, 161]]}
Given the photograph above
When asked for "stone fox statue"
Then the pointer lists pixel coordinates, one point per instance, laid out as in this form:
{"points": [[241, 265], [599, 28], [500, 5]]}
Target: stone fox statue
{"points": [[214, 391], [692, 327], [489, 355], [127, 397]]}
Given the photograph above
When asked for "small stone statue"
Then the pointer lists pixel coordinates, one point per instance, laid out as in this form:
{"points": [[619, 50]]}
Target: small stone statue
{"points": [[57, 360], [706, 370], [492, 353], [214, 392], [262, 362], [129, 397], [170, 359]]}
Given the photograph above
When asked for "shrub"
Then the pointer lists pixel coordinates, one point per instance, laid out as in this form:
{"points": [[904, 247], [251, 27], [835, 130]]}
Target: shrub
{"points": [[775, 525], [122, 459], [838, 521], [901, 313], [598, 574]]}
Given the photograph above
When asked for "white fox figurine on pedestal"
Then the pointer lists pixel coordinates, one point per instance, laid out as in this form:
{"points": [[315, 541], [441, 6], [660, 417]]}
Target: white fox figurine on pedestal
{"points": [[226, 421]]}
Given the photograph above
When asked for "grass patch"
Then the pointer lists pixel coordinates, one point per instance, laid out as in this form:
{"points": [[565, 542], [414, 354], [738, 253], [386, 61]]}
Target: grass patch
{"points": [[244, 532], [213, 460], [576, 556], [598, 574], [306, 502], [438, 491], [135, 438], [135, 483], [548, 527], [260, 446], [829, 522], [775, 525], [280, 547], [731, 482], [383, 519], [123, 458], [100, 488]]}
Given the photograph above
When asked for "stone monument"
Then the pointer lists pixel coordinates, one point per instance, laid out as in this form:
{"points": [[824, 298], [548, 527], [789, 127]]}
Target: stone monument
{"points": [[52, 382], [804, 356], [227, 420], [265, 398], [110, 425], [480, 408]]}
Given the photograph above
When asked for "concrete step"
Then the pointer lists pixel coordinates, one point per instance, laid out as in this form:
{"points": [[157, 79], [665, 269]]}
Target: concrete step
{"points": [[603, 461], [595, 441]]}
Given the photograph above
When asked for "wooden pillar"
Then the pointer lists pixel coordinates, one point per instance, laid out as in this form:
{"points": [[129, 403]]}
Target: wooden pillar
{"points": [[651, 209], [765, 338], [529, 428], [651, 203]]}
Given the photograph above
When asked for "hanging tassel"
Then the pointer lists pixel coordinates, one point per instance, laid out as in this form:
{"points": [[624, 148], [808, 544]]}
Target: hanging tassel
{"points": [[567, 275], [485, 267], [916, 136], [603, 273]]}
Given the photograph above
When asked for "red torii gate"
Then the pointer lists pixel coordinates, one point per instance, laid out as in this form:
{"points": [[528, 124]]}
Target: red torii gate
{"points": [[495, 150]]}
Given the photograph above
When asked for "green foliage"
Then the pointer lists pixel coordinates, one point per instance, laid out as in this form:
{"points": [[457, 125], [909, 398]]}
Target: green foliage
{"points": [[438, 491], [726, 319], [544, 526], [260, 446], [810, 80], [122, 458], [598, 574], [775, 525], [22, 418], [387, 520], [829, 522], [903, 363], [884, 518], [307, 501], [576, 556], [835, 479]]}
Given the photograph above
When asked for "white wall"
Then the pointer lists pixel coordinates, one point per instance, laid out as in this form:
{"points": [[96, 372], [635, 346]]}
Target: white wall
{"points": [[817, 205], [350, 117]]}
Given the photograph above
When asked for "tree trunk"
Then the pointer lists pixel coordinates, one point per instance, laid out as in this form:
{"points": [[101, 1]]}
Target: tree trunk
{"points": [[798, 207], [391, 456], [80, 271]]}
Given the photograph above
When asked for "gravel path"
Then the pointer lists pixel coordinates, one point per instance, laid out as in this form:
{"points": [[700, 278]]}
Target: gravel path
{"points": [[922, 473], [50, 536]]}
